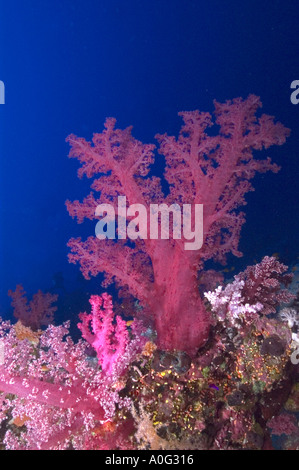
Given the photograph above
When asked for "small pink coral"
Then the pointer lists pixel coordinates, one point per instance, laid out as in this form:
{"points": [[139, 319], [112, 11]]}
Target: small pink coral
{"points": [[109, 336], [38, 312]]}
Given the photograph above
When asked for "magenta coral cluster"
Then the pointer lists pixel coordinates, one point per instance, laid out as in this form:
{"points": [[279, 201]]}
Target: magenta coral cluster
{"points": [[109, 336]]}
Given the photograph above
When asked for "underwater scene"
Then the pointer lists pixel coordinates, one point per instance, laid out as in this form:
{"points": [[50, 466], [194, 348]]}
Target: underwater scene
{"points": [[149, 271]]}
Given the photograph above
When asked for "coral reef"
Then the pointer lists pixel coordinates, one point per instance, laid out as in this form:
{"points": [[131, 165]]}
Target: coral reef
{"points": [[236, 393], [204, 364]]}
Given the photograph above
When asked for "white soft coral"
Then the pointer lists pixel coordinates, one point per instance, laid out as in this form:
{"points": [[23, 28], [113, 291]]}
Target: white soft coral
{"points": [[289, 315]]}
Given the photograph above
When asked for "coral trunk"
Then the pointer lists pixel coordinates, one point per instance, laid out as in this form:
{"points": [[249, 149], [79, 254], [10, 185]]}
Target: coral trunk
{"points": [[181, 321]]}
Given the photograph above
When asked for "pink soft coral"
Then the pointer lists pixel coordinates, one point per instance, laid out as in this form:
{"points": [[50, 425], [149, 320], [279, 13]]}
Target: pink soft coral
{"points": [[110, 340], [38, 312], [213, 170]]}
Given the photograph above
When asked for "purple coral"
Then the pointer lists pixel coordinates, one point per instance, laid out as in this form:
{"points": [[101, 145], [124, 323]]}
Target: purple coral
{"points": [[255, 292], [263, 283]]}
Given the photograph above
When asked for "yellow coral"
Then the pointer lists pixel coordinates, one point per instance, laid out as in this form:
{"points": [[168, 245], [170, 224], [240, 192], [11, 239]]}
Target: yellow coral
{"points": [[19, 421], [149, 349], [24, 332]]}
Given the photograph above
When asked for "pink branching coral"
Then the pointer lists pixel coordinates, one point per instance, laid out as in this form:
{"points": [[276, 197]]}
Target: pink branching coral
{"points": [[213, 170], [58, 393], [111, 341], [38, 312]]}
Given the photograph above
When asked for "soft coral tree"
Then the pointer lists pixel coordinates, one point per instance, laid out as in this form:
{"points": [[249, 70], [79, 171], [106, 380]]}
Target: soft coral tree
{"points": [[201, 168]]}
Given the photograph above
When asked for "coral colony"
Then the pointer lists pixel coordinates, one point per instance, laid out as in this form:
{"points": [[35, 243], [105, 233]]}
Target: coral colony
{"points": [[204, 364]]}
